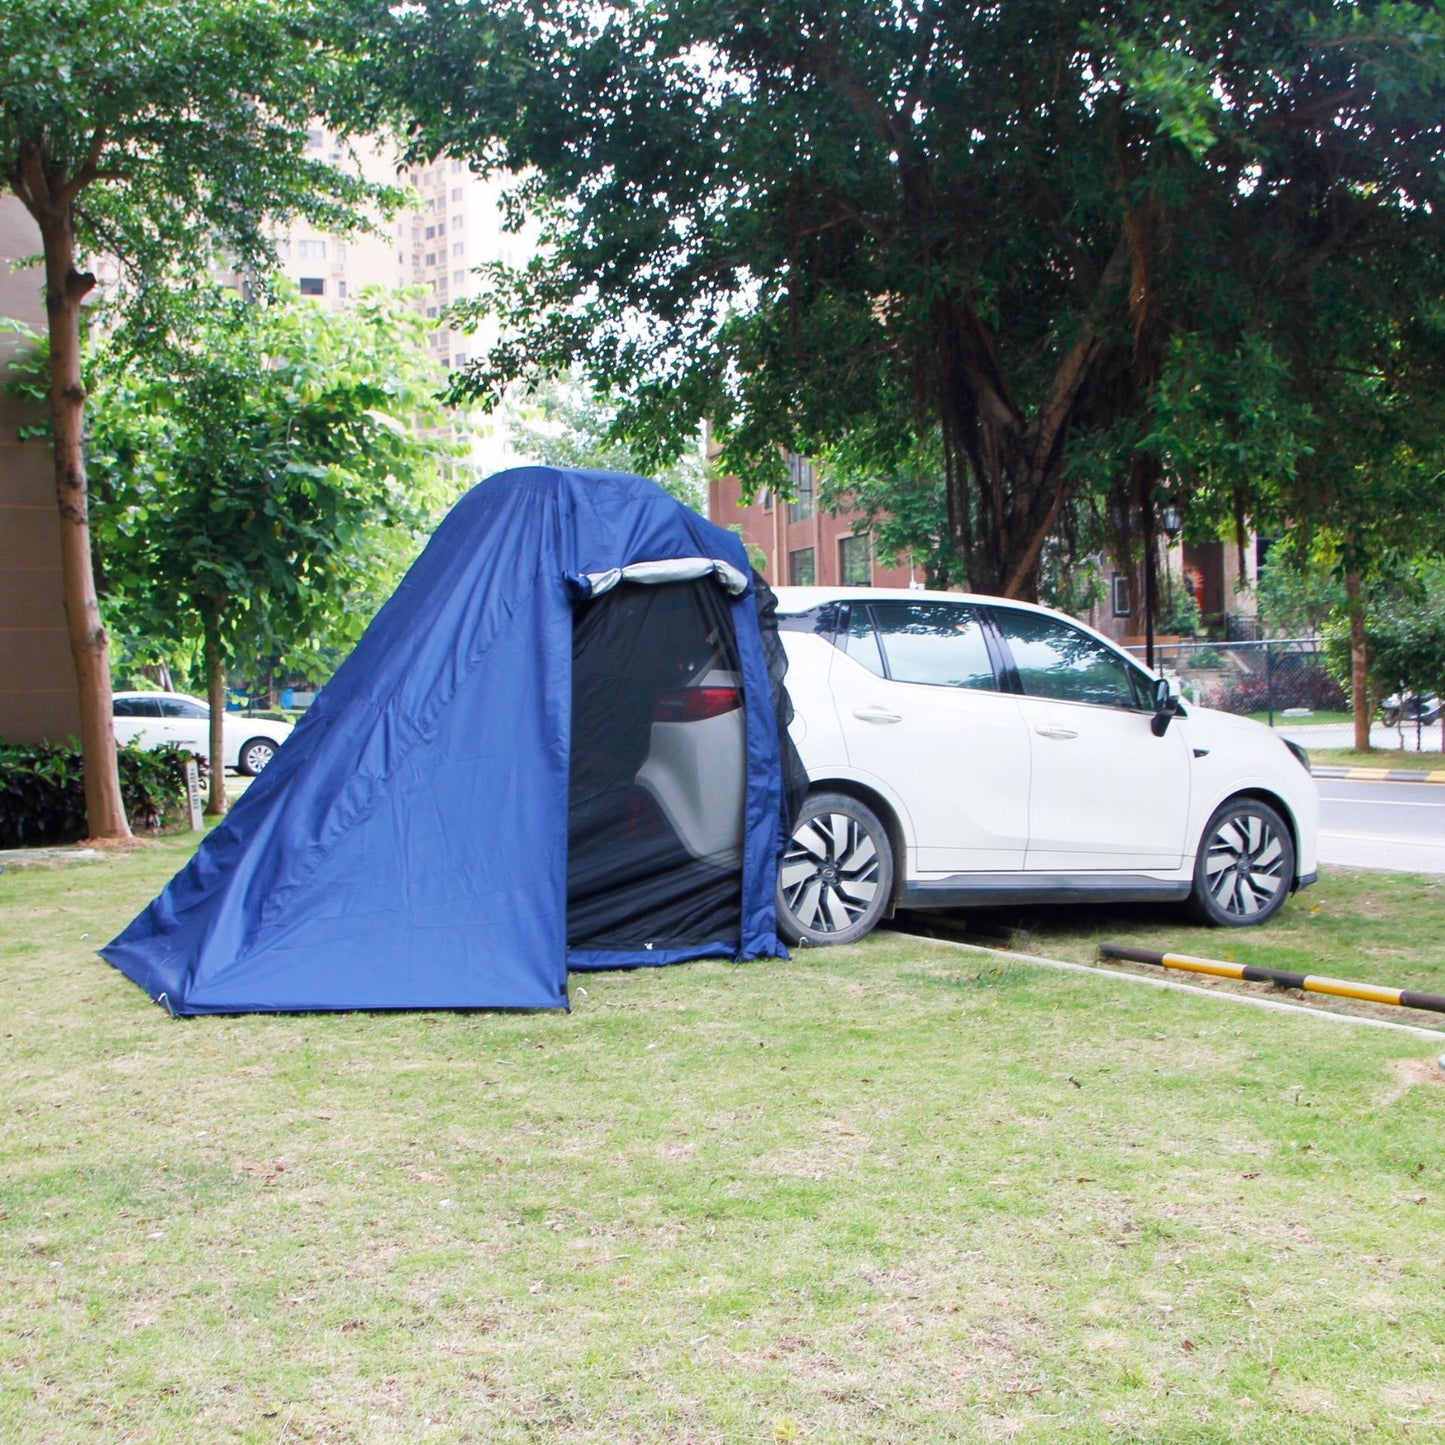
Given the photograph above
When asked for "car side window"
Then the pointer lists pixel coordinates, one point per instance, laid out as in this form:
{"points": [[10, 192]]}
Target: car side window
{"points": [[179, 707], [1057, 661], [860, 641], [137, 707], [938, 643]]}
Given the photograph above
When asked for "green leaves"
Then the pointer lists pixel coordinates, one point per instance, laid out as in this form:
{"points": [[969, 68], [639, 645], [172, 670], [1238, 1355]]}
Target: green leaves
{"points": [[1028, 230], [247, 463]]}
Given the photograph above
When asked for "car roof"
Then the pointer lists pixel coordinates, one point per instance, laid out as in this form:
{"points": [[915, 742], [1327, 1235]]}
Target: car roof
{"points": [[800, 599], [144, 692]]}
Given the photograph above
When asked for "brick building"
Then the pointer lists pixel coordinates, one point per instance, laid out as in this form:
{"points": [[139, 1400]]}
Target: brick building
{"points": [[802, 545]]}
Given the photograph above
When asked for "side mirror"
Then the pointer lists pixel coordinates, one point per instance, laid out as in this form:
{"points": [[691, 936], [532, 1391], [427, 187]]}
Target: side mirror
{"points": [[1166, 706]]}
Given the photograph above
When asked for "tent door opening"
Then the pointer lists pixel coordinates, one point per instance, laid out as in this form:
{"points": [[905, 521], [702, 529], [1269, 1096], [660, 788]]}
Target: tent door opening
{"points": [[658, 769]]}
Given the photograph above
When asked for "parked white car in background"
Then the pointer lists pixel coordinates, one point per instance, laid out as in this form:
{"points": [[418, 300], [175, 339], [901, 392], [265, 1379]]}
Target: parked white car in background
{"points": [[153, 719], [965, 750]]}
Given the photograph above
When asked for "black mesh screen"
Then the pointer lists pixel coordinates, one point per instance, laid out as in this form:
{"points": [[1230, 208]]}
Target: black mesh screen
{"points": [[658, 769]]}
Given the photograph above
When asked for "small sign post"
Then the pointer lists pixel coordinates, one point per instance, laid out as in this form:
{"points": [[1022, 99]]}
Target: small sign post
{"points": [[193, 795]]}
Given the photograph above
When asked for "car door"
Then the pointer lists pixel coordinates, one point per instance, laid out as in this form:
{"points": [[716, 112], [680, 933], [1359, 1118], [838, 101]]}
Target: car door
{"points": [[919, 702], [187, 724], [138, 722], [1106, 793]]}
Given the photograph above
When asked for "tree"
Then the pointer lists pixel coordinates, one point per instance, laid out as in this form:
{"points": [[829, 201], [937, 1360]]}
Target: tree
{"points": [[563, 423], [813, 221], [262, 474], [900, 490], [1404, 628], [149, 132]]}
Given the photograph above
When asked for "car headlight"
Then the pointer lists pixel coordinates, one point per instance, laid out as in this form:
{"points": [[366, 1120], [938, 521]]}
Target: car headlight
{"points": [[1300, 755]]}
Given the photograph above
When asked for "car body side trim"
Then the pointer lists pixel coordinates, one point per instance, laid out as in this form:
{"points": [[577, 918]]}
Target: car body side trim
{"points": [[982, 890]]}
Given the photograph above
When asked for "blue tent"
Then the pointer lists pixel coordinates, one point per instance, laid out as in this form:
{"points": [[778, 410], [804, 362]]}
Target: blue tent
{"points": [[408, 847]]}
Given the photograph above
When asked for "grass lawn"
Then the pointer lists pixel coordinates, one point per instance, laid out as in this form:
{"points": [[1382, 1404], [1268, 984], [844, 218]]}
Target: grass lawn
{"points": [[1407, 759], [895, 1192], [1278, 718]]}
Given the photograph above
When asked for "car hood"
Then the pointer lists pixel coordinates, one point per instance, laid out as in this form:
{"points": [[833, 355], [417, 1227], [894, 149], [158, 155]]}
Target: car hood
{"points": [[1211, 728]]}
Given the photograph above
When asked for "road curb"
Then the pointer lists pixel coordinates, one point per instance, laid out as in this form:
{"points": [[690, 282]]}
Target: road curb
{"points": [[1381, 775]]}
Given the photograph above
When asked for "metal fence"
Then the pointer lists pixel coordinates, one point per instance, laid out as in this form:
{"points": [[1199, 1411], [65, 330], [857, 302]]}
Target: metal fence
{"points": [[1282, 682]]}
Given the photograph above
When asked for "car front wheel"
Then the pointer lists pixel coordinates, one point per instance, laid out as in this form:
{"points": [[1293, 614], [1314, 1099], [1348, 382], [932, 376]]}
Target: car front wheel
{"points": [[837, 875], [1245, 865], [255, 756]]}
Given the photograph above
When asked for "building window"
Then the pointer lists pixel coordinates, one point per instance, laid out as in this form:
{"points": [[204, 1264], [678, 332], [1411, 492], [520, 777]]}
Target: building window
{"points": [[765, 501], [855, 562], [341, 290], [801, 478], [431, 311], [456, 223], [313, 286], [311, 250], [459, 278], [1122, 600], [431, 258], [459, 248], [801, 571], [430, 232], [456, 193]]}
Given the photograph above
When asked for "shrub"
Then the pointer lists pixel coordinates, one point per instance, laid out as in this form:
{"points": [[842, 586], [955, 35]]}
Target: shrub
{"points": [[42, 791], [1294, 681]]}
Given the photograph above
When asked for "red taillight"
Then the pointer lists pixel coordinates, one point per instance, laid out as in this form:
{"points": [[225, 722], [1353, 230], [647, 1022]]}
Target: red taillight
{"points": [[695, 704]]}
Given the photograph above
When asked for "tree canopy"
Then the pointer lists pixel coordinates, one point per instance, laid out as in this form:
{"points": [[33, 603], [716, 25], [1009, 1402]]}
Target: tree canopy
{"points": [[153, 134], [1028, 229], [264, 476]]}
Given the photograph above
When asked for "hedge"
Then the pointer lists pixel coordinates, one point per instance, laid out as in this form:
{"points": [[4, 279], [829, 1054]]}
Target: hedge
{"points": [[42, 791]]}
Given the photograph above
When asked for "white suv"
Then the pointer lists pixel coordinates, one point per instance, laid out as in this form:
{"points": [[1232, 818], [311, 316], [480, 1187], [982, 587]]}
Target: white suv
{"points": [[965, 750]]}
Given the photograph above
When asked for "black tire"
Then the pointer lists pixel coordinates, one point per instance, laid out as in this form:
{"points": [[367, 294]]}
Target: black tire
{"points": [[1390, 716], [1245, 866], [254, 756], [836, 880]]}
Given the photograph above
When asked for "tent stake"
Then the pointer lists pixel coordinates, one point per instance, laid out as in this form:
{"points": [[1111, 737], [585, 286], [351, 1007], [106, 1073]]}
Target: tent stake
{"points": [[1340, 988]]}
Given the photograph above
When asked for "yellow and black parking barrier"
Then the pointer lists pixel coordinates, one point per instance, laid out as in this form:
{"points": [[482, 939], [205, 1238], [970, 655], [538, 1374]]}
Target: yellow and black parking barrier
{"points": [[1310, 983]]}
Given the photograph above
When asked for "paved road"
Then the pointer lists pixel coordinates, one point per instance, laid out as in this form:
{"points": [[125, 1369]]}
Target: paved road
{"points": [[1398, 826]]}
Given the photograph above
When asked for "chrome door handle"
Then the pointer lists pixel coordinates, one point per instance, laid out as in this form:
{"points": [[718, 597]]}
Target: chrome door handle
{"points": [[876, 715], [1055, 732]]}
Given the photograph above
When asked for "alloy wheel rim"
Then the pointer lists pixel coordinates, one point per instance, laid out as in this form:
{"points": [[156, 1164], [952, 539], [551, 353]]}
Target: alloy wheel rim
{"points": [[1244, 868], [830, 873]]}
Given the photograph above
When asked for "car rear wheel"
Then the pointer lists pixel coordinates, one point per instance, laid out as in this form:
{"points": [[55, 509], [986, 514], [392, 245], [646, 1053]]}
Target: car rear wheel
{"points": [[837, 874], [255, 756], [1245, 865]]}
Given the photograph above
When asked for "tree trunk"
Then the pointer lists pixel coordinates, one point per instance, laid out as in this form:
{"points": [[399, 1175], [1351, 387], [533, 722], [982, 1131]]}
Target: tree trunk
{"points": [[216, 801], [65, 289], [1359, 663]]}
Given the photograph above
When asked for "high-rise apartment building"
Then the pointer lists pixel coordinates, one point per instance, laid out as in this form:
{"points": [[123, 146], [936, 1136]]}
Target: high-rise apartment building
{"points": [[436, 244]]}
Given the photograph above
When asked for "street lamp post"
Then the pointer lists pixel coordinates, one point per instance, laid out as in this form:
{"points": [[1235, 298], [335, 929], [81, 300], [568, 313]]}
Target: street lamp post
{"points": [[1168, 519]]}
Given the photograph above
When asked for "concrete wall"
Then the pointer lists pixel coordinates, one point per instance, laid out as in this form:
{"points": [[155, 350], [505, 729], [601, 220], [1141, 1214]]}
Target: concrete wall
{"points": [[37, 680]]}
